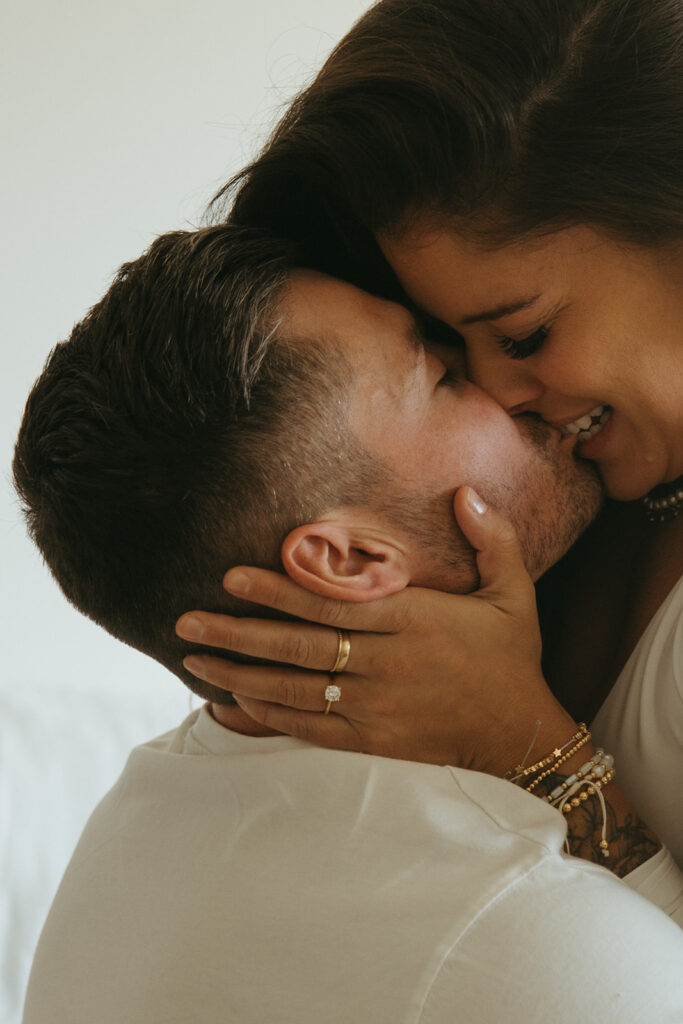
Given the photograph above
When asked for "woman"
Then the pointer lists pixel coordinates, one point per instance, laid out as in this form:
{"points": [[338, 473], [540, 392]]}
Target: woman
{"points": [[517, 166]]}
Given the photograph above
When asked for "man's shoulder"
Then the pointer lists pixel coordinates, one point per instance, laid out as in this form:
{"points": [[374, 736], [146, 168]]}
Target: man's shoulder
{"points": [[567, 941], [395, 874]]}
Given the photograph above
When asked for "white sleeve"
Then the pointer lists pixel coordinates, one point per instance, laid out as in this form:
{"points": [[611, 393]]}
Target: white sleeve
{"points": [[660, 881], [566, 943], [641, 724]]}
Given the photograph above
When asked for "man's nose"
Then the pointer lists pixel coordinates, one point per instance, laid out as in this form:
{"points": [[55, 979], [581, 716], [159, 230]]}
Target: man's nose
{"points": [[507, 380]]}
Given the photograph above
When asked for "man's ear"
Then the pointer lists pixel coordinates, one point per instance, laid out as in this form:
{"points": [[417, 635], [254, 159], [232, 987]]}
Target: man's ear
{"points": [[336, 559]]}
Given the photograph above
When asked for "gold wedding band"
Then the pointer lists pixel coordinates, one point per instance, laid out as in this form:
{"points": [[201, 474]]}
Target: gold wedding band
{"points": [[343, 652]]}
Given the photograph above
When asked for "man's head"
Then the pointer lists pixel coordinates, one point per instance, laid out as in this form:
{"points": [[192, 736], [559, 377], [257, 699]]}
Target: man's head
{"points": [[178, 431], [217, 402], [413, 410]]}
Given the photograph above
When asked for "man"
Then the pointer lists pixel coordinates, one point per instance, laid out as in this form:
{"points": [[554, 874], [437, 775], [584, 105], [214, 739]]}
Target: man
{"points": [[218, 407]]}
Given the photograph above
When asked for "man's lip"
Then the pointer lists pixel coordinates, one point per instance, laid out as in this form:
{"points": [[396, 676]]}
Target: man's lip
{"points": [[539, 418], [535, 422]]}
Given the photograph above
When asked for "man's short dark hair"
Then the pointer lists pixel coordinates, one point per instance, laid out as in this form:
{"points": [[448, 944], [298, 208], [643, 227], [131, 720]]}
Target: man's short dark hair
{"points": [[180, 431]]}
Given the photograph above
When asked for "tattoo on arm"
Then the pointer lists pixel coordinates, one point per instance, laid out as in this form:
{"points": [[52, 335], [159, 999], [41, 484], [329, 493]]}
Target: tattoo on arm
{"points": [[631, 842]]}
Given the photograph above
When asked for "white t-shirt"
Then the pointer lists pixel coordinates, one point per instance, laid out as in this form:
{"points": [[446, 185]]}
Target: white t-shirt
{"points": [[232, 879], [641, 724]]}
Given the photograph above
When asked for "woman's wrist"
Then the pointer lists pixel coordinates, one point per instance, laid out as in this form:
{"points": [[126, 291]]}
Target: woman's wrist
{"points": [[577, 779], [539, 730]]}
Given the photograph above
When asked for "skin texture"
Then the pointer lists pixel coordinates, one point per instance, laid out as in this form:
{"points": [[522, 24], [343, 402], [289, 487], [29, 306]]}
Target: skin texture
{"points": [[413, 407], [479, 685], [613, 314], [474, 660]]}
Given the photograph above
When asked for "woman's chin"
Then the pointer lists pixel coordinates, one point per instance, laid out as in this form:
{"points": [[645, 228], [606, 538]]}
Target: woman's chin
{"points": [[632, 462], [624, 483]]}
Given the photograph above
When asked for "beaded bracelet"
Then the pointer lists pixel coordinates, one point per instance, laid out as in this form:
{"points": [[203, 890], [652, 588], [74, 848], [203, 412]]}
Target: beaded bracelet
{"points": [[520, 772], [594, 775], [595, 768], [568, 802], [553, 767]]}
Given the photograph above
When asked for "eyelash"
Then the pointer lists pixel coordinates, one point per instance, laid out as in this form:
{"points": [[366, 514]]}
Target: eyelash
{"points": [[525, 347]]}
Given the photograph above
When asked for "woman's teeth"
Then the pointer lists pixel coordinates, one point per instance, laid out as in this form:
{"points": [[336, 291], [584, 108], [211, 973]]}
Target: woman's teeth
{"points": [[589, 425]]}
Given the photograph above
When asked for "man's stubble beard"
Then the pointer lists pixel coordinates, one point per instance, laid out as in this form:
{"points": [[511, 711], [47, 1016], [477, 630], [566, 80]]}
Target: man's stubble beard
{"points": [[566, 494], [554, 499]]}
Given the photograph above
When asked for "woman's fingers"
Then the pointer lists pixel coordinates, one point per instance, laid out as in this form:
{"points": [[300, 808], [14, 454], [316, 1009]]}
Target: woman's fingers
{"points": [[295, 643], [504, 580], [275, 590], [288, 687], [322, 730]]}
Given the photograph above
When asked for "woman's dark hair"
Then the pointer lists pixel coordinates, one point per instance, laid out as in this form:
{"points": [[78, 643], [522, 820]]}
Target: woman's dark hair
{"points": [[508, 116]]}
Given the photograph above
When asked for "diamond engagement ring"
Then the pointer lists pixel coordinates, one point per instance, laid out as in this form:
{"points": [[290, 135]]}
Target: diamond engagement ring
{"points": [[332, 695]]}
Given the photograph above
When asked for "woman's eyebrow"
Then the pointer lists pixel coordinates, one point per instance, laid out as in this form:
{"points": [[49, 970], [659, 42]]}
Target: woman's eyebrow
{"points": [[506, 309]]}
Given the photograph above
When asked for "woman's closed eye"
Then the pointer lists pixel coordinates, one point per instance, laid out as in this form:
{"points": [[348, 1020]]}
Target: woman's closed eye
{"points": [[522, 348]]}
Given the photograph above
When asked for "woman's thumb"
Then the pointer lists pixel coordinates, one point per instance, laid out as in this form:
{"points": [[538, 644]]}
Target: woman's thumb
{"points": [[500, 561]]}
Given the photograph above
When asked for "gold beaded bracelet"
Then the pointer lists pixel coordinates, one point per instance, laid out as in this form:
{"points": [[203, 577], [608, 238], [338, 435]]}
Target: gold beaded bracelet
{"points": [[595, 768], [595, 784], [520, 772], [553, 767], [568, 803], [594, 775]]}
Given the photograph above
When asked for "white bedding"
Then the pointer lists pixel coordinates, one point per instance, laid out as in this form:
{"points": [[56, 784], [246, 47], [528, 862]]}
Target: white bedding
{"points": [[59, 753]]}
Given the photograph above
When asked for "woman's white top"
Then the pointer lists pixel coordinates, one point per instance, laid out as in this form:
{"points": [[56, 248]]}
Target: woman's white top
{"points": [[641, 724]]}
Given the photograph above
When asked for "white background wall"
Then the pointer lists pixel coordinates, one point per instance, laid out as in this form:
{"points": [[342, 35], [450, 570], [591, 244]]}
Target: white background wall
{"points": [[118, 122]]}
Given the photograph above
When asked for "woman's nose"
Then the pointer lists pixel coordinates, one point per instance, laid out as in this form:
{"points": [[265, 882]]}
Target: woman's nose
{"points": [[505, 379]]}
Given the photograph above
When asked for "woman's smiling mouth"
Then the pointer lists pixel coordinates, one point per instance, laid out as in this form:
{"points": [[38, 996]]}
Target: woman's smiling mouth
{"points": [[588, 425]]}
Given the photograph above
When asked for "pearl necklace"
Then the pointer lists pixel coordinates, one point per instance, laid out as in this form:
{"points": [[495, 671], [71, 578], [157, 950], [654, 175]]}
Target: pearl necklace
{"points": [[664, 502]]}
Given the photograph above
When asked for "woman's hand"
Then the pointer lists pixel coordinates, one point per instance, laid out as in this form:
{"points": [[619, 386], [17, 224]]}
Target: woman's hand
{"points": [[431, 677]]}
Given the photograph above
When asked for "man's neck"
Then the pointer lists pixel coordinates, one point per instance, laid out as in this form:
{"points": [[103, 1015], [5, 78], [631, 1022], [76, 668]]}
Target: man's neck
{"points": [[232, 717]]}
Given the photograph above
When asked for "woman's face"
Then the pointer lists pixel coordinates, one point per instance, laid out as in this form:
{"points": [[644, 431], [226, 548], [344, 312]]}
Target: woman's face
{"points": [[585, 331]]}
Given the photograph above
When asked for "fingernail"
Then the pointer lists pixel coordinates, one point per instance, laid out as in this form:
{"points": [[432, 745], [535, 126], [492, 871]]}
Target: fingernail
{"points": [[190, 627], [237, 582], [476, 503], [238, 700], [194, 664]]}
